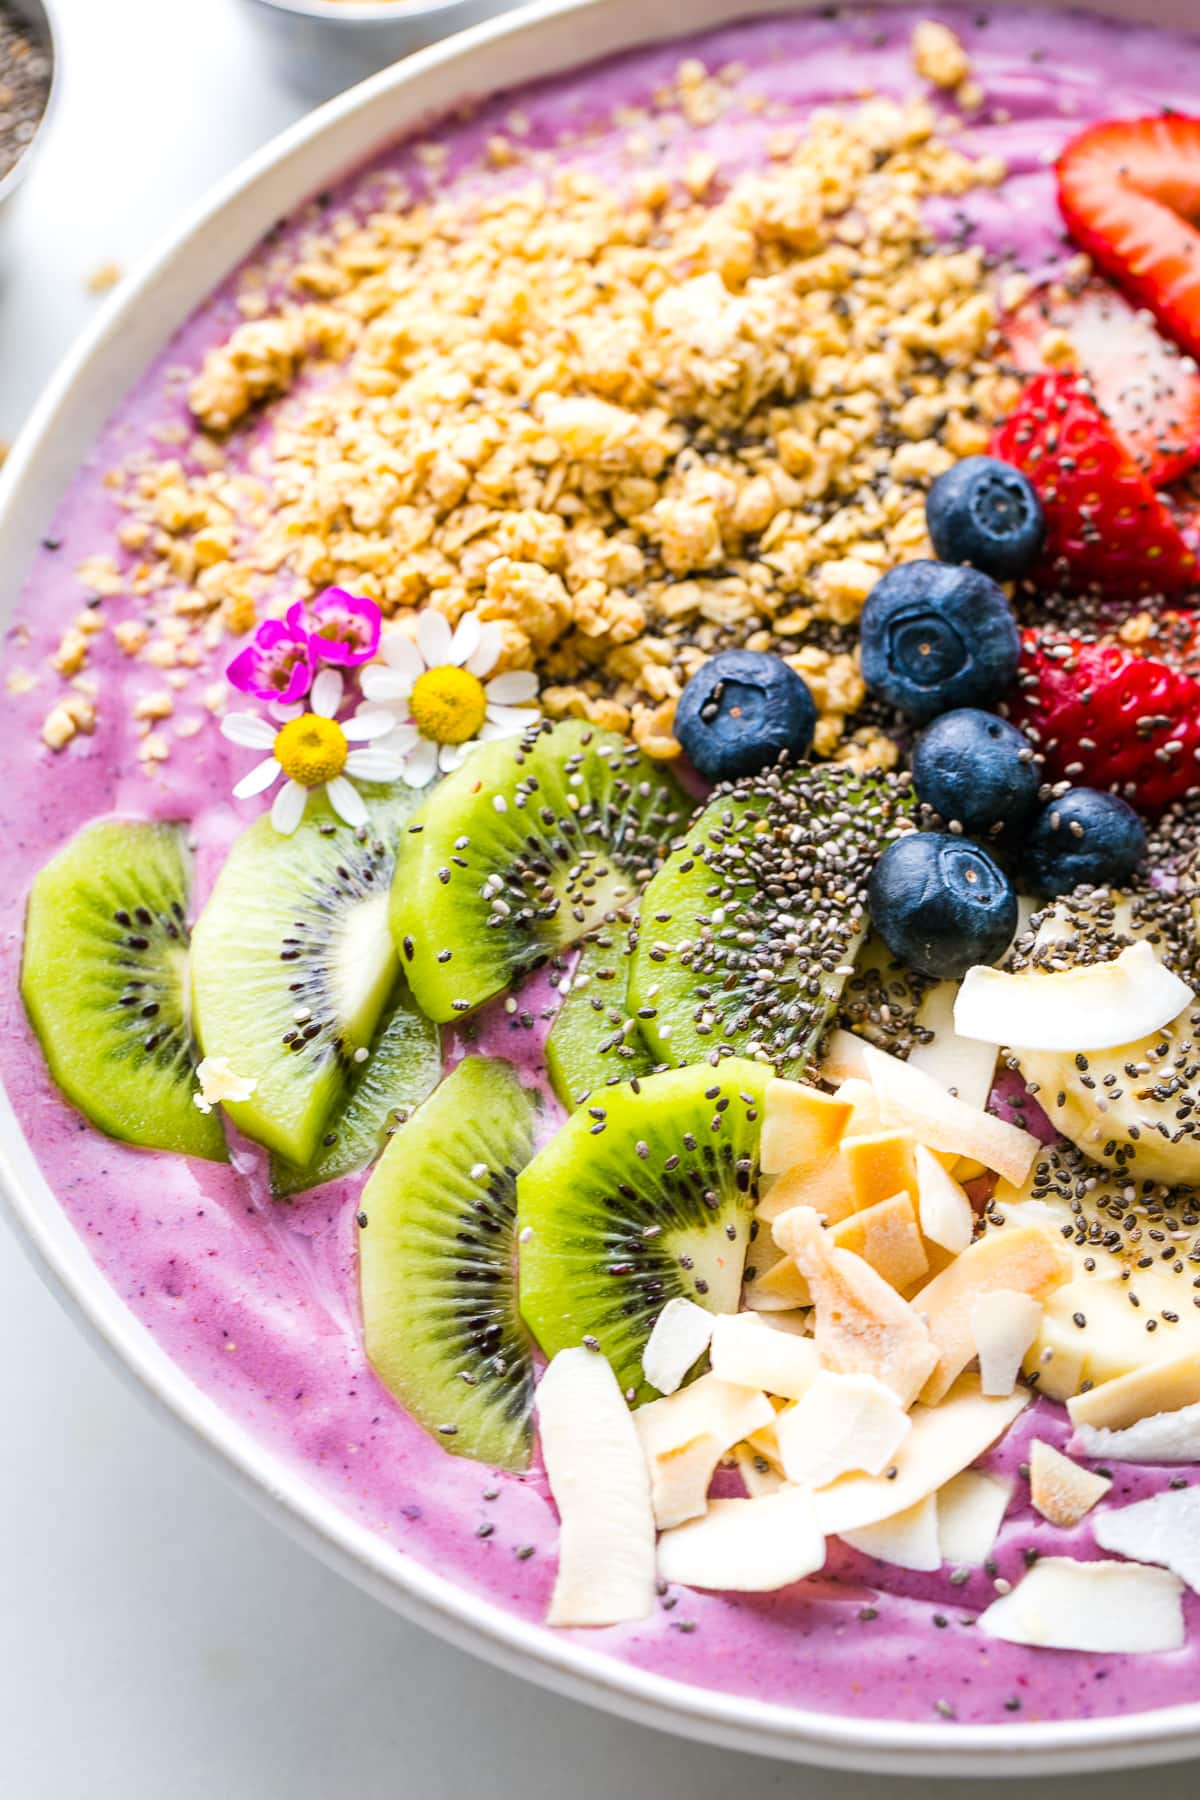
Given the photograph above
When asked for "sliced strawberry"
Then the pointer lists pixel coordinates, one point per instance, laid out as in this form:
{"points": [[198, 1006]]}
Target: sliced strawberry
{"points": [[1140, 379], [1104, 716], [1129, 191], [1107, 530]]}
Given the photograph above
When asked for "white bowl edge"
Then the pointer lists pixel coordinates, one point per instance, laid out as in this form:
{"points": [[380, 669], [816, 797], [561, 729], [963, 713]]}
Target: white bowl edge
{"points": [[541, 39]]}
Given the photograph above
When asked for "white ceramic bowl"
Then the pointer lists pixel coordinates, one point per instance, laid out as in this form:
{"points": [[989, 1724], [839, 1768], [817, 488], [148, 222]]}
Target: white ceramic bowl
{"points": [[541, 39]]}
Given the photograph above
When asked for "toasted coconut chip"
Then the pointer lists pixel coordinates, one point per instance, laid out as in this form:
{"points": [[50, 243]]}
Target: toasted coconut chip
{"points": [[1060, 1490], [1026, 1259], [1159, 1387], [843, 1059], [777, 1285], [1095, 1007], [800, 1126], [680, 1337], [867, 1117], [880, 1165], [888, 1237], [597, 1475], [758, 1473], [825, 1186], [1163, 1530], [946, 1215], [971, 1509], [1104, 1607], [914, 1101], [861, 1326], [964, 1066], [752, 1354], [944, 1440], [750, 1546], [908, 1539], [686, 1435], [1167, 1437], [1003, 1325], [843, 1422]]}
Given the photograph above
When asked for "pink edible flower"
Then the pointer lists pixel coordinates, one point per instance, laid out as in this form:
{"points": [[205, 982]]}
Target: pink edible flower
{"points": [[342, 628], [277, 665]]}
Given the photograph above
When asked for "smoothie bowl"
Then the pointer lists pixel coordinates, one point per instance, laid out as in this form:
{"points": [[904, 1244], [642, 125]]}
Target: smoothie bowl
{"points": [[599, 959]]}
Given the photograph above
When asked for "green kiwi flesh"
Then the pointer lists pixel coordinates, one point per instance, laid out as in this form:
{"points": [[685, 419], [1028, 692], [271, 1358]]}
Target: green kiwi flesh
{"points": [[532, 844], [752, 926], [104, 981], [646, 1194], [403, 1068], [292, 965], [437, 1265], [593, 1043]]}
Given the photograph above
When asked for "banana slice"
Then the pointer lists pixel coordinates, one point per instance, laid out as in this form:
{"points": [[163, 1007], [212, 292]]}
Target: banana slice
{"points": [[1134, 1108], [1131, 1299]]}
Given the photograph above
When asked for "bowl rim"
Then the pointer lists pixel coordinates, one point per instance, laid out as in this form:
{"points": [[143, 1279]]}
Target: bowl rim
{"points": [[360, 12], [544, 38], [40, 17]]}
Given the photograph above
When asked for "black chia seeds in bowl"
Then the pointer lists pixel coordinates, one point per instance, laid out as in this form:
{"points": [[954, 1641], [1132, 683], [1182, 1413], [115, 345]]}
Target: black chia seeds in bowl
{"points": [[26, 77]]}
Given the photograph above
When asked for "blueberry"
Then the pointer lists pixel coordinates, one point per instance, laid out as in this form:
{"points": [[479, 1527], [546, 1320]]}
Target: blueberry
{"points": [[935, 637], [1085, 838], [940, 904], [986, 513], [742, 709], [977, 769]]}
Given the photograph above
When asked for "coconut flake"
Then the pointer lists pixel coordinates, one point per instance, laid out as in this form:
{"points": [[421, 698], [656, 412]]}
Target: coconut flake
{"points": [[749, 1546], [1059, 1489], [946, 1215], [971, 1510], [909, 1539], [1102, 1607], [597, 1475], [1028, 1259], [944, 1440], [964, 1066], [1094, 1007], [1166, 1437], [800, 1126], [681, 1335], [1004, 1324], [1163, 1530], [686, 1435], [914, 1101], [753, 1354], [843, 1423], [1157, 1387]]}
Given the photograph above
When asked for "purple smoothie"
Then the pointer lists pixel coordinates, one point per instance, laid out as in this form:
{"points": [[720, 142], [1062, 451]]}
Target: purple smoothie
{"points": [[257, 1301]]}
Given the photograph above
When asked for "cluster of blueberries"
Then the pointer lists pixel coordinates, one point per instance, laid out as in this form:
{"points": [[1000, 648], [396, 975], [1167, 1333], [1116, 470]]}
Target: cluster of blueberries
{"points": [[939, 644]]}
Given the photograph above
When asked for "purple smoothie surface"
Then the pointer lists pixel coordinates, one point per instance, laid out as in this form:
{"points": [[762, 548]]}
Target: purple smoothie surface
{"points": [[256, 1301]]}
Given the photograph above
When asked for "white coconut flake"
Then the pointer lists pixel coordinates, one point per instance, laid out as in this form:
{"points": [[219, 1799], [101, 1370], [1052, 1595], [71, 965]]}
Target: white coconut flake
{"points": [[914, 1101], [685, 1436], [1004, 1324], [1163, 1530], [1166, 1437], [908, 1540], [971, 1510], [681, 1335], [747, 1546], [964, 1066], [842, 1423], [753, 1354], [1101, 1607], [1095, 1007]]}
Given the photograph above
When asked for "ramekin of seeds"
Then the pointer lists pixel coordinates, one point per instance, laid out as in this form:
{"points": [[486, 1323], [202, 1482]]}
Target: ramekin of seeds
{"points": [[27, 63]]}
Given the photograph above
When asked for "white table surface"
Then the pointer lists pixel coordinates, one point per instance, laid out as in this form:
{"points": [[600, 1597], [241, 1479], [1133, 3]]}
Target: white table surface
{"points": [[156, 1636]]}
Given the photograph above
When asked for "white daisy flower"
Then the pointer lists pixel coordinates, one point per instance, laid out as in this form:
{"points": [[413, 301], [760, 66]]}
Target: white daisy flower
{"points": [[313, 750], [438, 696]]}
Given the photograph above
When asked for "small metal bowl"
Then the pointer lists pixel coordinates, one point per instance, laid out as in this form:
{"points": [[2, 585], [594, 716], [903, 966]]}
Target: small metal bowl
{"points": [[40, 21], [323, 46]]}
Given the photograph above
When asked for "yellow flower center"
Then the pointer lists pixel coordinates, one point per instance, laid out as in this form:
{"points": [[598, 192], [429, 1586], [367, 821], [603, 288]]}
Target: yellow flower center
{"points": [[448, 705], [311, 750]]}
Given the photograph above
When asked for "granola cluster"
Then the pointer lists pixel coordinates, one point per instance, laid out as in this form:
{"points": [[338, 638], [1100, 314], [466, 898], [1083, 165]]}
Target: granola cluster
{"points": [[635, 420]]}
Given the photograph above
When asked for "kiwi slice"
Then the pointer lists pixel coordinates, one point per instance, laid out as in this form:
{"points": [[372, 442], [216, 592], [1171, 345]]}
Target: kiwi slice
{"points": [[403, 1067], [104, 980], [437, 1266], [751, 928], [645, 1194], [593, 1043], [531, 845], [292, 965]]}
